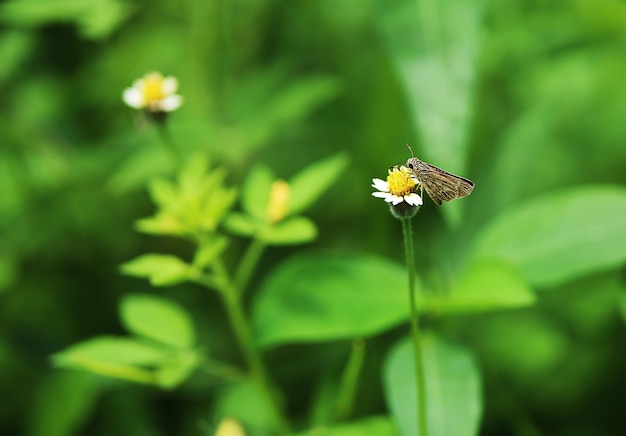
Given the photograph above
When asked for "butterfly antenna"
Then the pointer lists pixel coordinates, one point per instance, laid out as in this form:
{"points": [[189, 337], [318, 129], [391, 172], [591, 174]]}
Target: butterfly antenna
{"points": [[409, 147]]}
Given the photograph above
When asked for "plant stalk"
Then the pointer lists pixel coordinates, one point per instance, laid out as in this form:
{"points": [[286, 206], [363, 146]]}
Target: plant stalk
{"points": [[232, 301], [420, 379], [248, 263]]}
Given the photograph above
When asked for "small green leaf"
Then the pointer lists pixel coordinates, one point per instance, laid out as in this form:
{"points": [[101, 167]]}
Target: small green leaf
{"points": [[216, 204], [240, 224], [453, 391], [310, 183], [327, 296], [194, 172], [256, 192], [484, 286], [157, 318], [162, 192], [296, 230], [172, 373], [161, 224], [113, 349], [209, 251], [161, 269], [560, 236], [114, 357]]}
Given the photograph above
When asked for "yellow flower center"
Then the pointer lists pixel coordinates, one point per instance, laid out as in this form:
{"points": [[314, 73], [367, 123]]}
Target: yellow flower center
{"points": [[279, 201], [153, 88], [401, 181]]}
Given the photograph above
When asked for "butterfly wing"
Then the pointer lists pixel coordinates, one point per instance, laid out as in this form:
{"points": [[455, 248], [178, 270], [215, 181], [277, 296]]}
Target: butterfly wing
{"points": [[441, 185]]}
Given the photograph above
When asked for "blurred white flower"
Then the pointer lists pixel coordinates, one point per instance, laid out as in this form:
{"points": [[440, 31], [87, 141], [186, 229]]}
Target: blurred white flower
{"points": [[154, 93]]}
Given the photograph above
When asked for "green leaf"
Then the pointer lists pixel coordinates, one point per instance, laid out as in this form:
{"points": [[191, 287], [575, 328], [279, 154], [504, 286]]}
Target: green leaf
{"points": [[161, 269], [484, 286], [560, 236], [240, 224], [256, 192], [162, 192], [376, 425], [437, 64], [453, 391], [310, 183], [161, 224], [296, 230], [194, 172], [177, 370], [327, 296], [130, 359], [209, 251], [157, 318], [114, 357]]}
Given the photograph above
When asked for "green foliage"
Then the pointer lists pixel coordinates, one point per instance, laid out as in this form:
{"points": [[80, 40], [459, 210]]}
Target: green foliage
{"points": [[550, 238], [161, 353], [196, 203], [309, 184], [161, 269], [452, 386], [259, 197], [377, 425], [290, 109], [157, 319], [328, 296], [95, 19], [482, 287]]}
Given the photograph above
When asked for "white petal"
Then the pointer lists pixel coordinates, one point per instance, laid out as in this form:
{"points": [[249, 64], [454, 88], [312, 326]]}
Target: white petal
{"points": [[381, 185], [133, 98], [379, 194], [397, 200], [170, 103], [413, 199], [170, 85]]}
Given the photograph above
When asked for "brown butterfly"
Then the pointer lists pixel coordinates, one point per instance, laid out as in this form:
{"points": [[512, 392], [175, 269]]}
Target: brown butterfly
{"points": [[439, 184]]}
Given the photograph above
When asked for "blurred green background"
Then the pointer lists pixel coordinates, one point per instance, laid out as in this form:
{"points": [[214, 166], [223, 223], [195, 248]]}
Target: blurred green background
{"points": [[526, 98]]}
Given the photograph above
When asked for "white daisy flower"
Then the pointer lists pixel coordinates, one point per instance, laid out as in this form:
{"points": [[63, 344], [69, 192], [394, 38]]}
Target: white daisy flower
{"points": [[154, 93], [400, 186]]}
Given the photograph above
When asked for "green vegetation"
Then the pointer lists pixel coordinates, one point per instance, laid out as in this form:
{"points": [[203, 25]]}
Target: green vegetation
{"points": [[161, 272]]}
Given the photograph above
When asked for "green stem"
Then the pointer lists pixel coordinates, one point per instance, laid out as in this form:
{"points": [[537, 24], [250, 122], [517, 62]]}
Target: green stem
{"points": [[420, 379], [222, 370], [248, 263], [349, 380], [168, 142], [234, 309]]}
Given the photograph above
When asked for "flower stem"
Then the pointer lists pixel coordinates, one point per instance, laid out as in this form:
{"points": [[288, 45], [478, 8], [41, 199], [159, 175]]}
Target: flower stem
{"points": [[168, 142], [348, 385], [248, 263], [420, 379], [234, 309]]}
